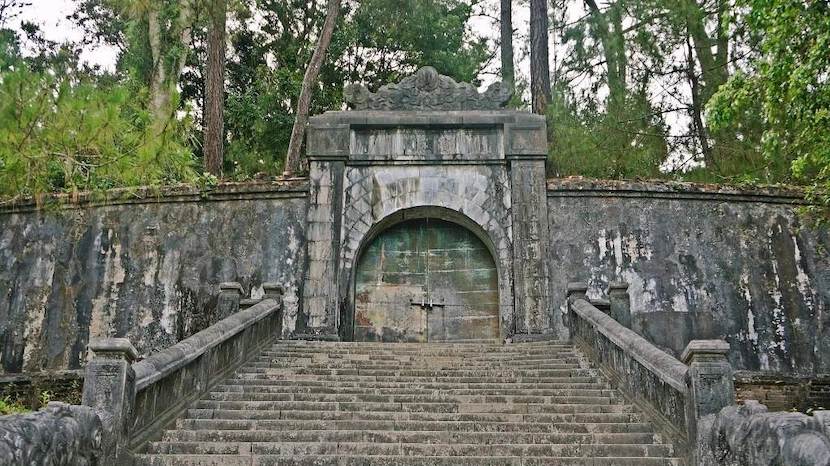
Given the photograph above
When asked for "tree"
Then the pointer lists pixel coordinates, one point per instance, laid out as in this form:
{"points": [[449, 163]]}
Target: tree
{"points": [[791, 81], [214, 140], [292, 159], [539, 58], [66, 128], [508, 73]]}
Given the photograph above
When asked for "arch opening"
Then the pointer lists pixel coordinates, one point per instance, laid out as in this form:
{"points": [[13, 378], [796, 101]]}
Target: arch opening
{"points": [[422, 277]]}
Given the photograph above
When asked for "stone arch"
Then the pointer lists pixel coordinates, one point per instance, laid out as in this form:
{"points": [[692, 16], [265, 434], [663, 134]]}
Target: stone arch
{"points": [[491, 234]]}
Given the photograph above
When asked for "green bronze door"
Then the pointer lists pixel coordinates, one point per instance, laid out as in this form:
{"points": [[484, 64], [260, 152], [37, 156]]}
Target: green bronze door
{"points": [[426, 280]]}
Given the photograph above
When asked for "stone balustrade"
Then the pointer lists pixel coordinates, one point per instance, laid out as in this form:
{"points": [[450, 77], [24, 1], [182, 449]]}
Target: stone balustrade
{"points": [[672, 393], [143, 397]]}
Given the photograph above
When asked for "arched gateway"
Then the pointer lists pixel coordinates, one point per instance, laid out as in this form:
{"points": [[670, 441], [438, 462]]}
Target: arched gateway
{"points": [[420, 168], [426, 280]]}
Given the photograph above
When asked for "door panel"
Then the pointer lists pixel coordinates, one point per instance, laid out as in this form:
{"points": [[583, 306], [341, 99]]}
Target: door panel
{"points": [[429, 261]]}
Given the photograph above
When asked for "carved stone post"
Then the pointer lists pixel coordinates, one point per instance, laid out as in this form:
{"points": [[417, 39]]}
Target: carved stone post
{"points": [[229, 295], [620, 303], [109, 384], [275, 291], [576, 290], [709, 379]]}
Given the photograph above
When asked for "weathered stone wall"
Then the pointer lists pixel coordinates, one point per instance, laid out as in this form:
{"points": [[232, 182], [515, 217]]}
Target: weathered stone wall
{"points": [[146, 267], [780, 392], [702, 262]]}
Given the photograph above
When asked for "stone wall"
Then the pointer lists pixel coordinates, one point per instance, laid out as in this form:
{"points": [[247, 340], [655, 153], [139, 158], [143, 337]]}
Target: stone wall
{"points": [[703, 262], [783, 392], [141, 264]]}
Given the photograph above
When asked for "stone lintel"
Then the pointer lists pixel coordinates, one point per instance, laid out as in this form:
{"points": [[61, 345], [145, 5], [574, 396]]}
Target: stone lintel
{"points": [[421, 119], [113, 348], [705, 350]]}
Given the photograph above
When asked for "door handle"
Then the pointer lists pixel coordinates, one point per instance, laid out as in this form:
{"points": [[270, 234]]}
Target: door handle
{"points": [[426, 304]]}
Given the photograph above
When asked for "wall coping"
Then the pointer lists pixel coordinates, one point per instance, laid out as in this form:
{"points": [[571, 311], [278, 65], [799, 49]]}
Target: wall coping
{"points": [[289, 188], [662, 189], [298, 188], [167, 361], [666, 367]]}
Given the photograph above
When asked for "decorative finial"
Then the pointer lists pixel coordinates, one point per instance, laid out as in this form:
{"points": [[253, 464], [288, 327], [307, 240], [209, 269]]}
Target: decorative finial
{"points": [[427, 90]]}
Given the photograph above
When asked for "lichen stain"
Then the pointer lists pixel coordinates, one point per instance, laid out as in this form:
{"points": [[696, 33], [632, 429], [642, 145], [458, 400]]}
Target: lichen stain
{"points": [[168, 274], [101, 324]]}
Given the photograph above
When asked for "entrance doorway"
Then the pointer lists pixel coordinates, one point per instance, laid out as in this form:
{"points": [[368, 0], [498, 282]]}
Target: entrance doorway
{"points": [[426, 280]]}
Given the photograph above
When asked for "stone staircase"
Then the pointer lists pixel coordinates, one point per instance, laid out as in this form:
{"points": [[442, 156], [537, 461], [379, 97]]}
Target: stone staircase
{"points": [[324, 403]]}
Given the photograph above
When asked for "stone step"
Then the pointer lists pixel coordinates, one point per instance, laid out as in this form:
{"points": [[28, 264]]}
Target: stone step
{"points": [[327, 389], [380, 460], [415, 379], [250, 380], [448, 373], [398, 437], [403, 398], [245, 423], [328, 407], [403, 416], [417, 355], [412, 449], [398, 365], [402, 436]]}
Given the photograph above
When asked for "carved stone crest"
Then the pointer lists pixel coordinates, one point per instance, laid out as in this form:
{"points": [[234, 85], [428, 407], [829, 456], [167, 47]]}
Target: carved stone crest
{"points": [[427, 90]]}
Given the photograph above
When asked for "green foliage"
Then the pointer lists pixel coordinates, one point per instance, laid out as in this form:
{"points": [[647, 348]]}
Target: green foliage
{"points": [[389, 39], [64, 129], [601, 144], [790, 81], [9, 406]]}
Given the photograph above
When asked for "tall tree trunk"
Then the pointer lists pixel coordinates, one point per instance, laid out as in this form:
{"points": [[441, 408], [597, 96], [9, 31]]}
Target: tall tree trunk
{"points": [[166, 70], [292, 159], [613, 49], [508, 71], [215, 89], [539, 67]]}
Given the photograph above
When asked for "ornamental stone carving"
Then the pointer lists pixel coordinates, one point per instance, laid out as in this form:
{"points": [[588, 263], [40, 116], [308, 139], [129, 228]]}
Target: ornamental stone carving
{"points": [[427, 90], [58, 435]]}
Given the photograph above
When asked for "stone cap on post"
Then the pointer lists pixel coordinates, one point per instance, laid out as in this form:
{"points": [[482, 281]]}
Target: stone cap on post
{"points": [[273, 288], [705, 350], [113, 348], [577, 290], [228, 287], [617, 288]]}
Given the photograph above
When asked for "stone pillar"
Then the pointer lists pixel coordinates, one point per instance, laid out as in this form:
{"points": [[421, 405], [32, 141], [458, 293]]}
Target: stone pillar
{"points": [[109, 384], [229, 295], [576, 290], [328, 149], [709, 379], [526, 149], [620, 303]]}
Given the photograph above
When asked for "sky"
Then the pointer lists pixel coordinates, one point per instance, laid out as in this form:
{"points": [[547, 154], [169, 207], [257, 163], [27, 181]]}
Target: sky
{"points": [[51, 15]]}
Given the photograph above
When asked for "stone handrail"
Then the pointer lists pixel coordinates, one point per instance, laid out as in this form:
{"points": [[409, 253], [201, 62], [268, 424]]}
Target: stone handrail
{"points": [[146, 396], [159, 365], [675, 394], [168, 381], [655, 379]]}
